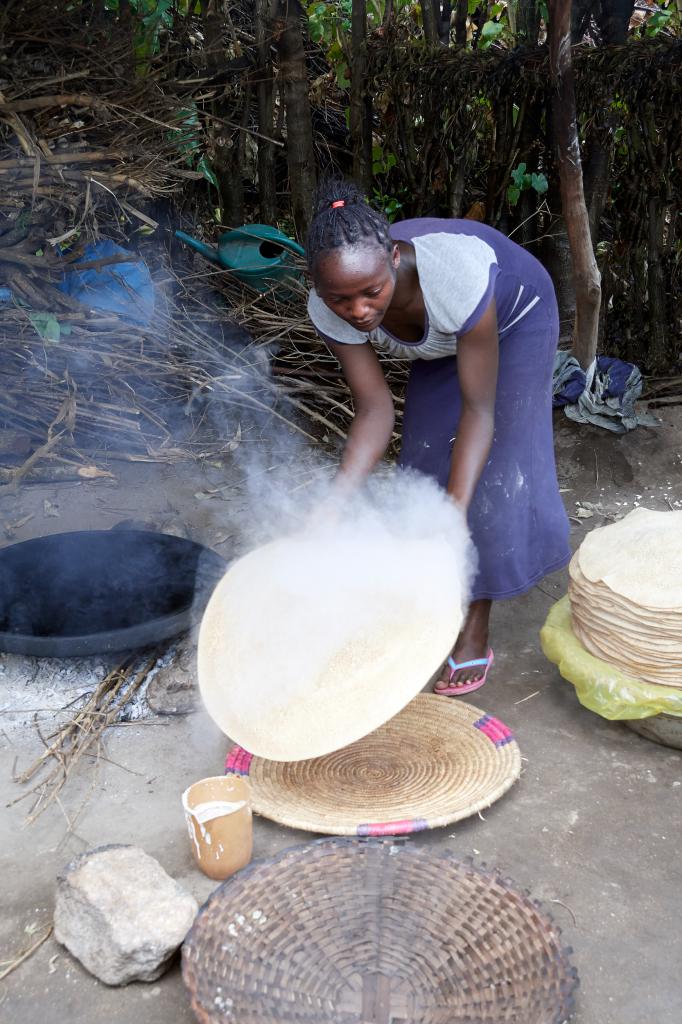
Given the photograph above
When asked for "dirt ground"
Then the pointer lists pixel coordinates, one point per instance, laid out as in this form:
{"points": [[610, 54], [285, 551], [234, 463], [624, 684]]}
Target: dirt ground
{"points": [[591, 828]]}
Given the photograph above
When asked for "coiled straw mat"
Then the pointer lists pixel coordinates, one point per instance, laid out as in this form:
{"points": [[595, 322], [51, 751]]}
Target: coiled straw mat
{"points": [[436, 762], [350, 931]]}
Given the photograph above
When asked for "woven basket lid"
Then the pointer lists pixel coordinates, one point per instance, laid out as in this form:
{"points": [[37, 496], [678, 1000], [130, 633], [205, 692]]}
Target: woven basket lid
{"points": [[370, 931], [306, 646], [437, 761]]}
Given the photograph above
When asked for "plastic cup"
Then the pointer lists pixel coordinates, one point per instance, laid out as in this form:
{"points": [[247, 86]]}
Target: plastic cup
{"points": [[219, 822]]}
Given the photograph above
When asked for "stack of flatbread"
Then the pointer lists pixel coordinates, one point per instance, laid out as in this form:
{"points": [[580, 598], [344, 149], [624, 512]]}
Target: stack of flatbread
{"points": [[626, 595]]}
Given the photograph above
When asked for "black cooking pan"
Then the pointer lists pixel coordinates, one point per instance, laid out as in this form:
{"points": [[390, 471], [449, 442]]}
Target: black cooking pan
{"points": [[95, 591]]}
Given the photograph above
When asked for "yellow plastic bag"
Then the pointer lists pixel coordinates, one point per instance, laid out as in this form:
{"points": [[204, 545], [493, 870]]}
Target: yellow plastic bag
{"points": [[599, 686]]}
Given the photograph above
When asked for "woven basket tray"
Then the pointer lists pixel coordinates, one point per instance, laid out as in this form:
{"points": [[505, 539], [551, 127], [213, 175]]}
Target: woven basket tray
{"points": [[369, 931], [436, 762]]}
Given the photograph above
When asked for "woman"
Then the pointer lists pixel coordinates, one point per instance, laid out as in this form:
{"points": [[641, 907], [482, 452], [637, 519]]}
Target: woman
{"points": [[476, 316]]}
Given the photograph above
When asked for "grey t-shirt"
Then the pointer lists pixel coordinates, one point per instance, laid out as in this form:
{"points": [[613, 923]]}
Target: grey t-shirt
{"points": [[457, 273]]}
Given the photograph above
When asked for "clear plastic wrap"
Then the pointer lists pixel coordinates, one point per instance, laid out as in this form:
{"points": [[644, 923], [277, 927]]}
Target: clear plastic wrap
{"points": [[600, 687]]}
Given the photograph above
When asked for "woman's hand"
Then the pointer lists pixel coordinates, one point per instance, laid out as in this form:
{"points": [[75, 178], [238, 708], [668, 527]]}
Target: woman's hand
{"points": [[477, 363]]}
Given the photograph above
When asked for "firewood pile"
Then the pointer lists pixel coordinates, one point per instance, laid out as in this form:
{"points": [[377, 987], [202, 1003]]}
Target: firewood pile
{"points": [[90, 149], [84, 142], [86, 147]]}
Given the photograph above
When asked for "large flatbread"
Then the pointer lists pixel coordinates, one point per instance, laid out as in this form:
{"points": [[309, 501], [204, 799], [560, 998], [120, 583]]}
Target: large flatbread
{"points": [[639, 558], [307, 646], [625, 590]]}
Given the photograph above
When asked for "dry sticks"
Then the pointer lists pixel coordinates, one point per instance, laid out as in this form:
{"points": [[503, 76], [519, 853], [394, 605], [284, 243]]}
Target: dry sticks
{"points": [[145, 390], [71, 741], [81, 148]]}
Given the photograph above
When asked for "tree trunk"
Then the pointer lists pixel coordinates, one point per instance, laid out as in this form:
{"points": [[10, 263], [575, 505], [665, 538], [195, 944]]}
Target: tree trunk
{"points": [[267, 183], [443, 20], [613, 19], [461, 14], [213, 30], [456, 183], [585, 271], [125, 18], [636, 332], [429, 21], [360, 98], [528, 22], [597, 167], [580, 15], [98, 12], [300, 153], [226, 142], [657, 208], [555, 251], [388, 14], [530, 205]]}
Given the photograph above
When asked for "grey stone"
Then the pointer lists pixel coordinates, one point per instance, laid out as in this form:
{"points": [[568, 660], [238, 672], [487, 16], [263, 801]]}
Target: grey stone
{"points": [[174, 690], [120, 914]]}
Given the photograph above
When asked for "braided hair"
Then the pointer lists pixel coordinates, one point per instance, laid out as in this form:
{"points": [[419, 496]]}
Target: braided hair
{"points": [[343, 217]]}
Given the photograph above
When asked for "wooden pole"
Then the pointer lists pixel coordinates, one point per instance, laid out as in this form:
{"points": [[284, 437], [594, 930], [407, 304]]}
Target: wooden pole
{"points": [[300, 152], [267, 182], [585, 272], [429, 22], [360, 100]]}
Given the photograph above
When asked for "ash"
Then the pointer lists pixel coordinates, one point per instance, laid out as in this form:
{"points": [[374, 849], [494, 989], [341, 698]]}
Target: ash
{"points": [[44, 689]]}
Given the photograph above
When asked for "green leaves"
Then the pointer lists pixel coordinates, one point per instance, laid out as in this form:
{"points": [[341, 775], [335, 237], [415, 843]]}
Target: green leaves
{"points": [[539, 183], [522, 181], [489, 33], [328, 24], [390, 205], [317, 21], [189, 142], [519, 176], [382, 162], [48, 327], [658, 21]]}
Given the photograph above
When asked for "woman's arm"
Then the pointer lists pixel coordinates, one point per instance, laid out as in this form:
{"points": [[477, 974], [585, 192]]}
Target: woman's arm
{"points": [[370, 431], [477, 360]]}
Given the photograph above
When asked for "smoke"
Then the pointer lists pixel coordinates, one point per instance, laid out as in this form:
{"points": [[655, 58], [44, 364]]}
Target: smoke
{"points": [[289, 492], [399, 541], [340, 621], [287, 483]]}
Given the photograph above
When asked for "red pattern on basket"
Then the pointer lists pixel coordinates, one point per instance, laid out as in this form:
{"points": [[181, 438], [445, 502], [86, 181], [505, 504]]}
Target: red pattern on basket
{"points": [[393, 828], [238, 761], [496, 731]]}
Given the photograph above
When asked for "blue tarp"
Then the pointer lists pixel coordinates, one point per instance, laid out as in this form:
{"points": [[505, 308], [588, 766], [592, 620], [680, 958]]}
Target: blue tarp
{"points": [[125, 289]]}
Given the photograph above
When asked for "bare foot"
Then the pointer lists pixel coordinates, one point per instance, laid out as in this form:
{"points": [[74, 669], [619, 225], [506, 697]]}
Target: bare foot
{"points": [[472, 643]]}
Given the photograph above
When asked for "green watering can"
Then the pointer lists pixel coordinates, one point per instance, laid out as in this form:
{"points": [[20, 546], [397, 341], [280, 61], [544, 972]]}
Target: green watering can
{"points": [[257, 254]]}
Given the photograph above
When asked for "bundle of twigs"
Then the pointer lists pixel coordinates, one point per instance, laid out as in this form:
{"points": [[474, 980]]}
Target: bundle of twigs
{"points": [[80, 735], [83, 148], [84, 142], [663, 391], [302, 364], [214, 356], [173, 389]]}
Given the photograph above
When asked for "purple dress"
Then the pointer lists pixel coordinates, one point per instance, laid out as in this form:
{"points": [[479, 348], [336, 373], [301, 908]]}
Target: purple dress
{"points": [[517, 518]]}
